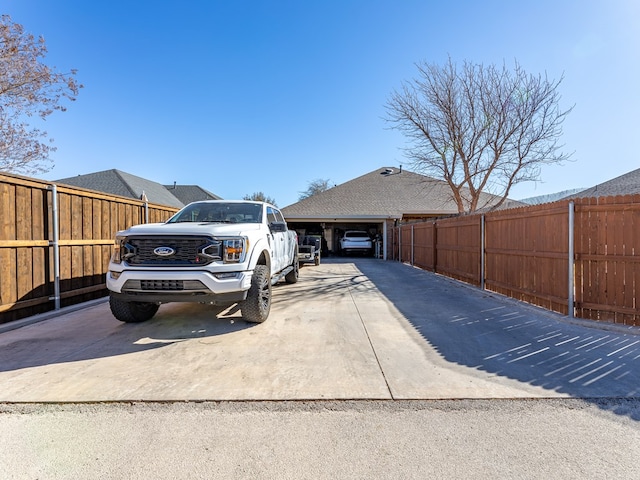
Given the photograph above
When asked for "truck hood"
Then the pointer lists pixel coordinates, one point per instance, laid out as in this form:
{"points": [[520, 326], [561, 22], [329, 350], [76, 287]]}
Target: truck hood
{"points": [[192, 228]]}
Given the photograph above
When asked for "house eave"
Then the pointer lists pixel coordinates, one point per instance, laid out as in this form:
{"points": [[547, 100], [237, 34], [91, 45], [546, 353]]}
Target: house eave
{"points": [[342, 218]]}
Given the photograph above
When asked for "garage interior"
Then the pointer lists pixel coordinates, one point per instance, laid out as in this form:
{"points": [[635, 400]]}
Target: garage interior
{"points": [[331, 232]]}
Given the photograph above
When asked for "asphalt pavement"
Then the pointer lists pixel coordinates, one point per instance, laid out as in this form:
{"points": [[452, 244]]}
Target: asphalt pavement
{"points": [[363, 439]]}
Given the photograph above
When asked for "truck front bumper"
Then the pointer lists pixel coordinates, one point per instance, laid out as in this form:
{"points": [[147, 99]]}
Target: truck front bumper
{"points": [[179, 286]]}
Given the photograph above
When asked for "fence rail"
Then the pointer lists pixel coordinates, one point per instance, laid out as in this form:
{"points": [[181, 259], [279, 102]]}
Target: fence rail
{"points": [[87, 221], [579, 258]]}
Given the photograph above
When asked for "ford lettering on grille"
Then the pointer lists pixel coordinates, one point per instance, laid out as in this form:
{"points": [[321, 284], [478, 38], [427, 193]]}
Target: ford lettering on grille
{"points": [[164, 251]]}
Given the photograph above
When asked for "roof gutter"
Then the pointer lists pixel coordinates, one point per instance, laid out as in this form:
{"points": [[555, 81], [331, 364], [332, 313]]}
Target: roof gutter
{"points": [[334, 218]]}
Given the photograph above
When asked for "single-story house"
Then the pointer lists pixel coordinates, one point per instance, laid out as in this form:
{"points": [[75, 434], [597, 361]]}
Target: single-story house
{"points": [[374, 202]]}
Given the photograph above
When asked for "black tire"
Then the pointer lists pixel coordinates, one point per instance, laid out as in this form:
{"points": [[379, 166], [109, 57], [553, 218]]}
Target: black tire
{"points": [[132, 312], [256, 307], [292, 276]]}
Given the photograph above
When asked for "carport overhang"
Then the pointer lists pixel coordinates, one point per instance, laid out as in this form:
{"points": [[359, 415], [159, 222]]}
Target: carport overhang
{"points": [[326, 220]]}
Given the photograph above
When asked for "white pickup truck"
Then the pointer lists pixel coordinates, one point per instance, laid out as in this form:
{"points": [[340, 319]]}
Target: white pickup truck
{"points": [[218, 252]]}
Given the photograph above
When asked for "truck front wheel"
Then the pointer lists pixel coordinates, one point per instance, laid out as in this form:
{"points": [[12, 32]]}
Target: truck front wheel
{"points": [[132, 312], [256, 307]]}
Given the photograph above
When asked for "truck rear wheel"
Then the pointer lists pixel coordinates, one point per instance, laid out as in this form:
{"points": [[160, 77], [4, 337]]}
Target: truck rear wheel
{"points": [[132, 312], [292, 276], [256, 307]]}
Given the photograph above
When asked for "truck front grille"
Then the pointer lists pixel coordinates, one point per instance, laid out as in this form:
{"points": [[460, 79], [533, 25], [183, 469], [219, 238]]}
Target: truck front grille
{"points": [[184, 251]]}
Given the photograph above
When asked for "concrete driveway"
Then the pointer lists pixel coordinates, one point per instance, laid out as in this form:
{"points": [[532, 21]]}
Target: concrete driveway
{"points": [[349, 329]]}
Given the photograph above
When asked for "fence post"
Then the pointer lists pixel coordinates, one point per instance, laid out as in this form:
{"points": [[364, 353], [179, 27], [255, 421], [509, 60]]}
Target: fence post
{"points": [[435, 246], [482, 245], [571, 260], [412, 245], [400, 243], [55, 243]]}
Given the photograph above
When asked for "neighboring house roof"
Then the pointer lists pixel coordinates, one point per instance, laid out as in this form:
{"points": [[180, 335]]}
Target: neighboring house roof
{"points": [[627, 184], [383, 193], [117, 182], [124, 184], [191, 193], [551, 197]]}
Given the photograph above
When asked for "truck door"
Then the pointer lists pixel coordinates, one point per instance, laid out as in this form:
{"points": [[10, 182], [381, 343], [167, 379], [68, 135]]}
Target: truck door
{"points": [[278, 229]]}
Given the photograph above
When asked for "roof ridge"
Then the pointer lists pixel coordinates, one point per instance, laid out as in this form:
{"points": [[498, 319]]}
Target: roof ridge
{"points": [[126, 184]]}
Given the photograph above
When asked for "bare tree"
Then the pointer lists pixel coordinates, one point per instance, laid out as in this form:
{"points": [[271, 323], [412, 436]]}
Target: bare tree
{"points": [[260, 197], [316, 186], [28, 88], [482, 129]]}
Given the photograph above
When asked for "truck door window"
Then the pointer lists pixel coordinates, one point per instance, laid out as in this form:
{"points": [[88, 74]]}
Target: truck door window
{"points": [[271, 216]]}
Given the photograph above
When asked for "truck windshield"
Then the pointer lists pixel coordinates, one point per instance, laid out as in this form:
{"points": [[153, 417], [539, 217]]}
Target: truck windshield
{"points": [[222, 212]]}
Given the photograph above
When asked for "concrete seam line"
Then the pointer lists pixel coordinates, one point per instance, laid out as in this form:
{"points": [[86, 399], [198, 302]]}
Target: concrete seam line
{"points": [[364, 326]]}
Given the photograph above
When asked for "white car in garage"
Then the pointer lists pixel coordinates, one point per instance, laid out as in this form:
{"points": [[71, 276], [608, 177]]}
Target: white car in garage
{"points": [[356, 241]]}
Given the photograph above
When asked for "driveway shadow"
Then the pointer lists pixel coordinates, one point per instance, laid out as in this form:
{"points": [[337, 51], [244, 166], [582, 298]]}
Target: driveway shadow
{"points": [[93, 333], [486, 331]]}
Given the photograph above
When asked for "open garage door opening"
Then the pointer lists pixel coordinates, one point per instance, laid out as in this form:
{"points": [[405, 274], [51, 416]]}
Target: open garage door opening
{"points": [[331, 234]]}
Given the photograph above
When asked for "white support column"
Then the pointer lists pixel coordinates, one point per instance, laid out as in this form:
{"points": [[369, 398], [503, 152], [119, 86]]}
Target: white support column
{"points": [[384, 240]]}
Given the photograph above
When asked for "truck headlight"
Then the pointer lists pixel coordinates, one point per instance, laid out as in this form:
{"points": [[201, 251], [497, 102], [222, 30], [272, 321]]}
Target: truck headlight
{"points": [[234, 249], [121, 249], [118, 246]]}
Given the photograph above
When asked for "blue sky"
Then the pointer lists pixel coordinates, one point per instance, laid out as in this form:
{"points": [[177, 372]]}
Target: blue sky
{"points": [[242, 96]]}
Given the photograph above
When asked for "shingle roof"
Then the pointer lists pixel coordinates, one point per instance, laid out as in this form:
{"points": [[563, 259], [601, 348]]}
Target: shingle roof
{"points": [[627, 184], [191, 193], [551, 197], [124, 184], [380, 194]]}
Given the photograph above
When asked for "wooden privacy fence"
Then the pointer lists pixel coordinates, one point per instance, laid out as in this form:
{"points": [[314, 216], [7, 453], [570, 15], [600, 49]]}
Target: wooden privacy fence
{"points": [[525, 253], [43, 267]]}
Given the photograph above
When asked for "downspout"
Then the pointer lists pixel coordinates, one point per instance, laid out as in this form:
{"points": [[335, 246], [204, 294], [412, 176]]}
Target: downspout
{"points": [[55, 243], [146, 206]]}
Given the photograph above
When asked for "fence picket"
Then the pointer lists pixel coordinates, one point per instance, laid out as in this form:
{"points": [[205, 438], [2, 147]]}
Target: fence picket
{"points": [[527, 255]]}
